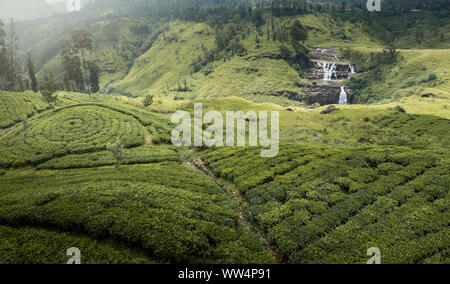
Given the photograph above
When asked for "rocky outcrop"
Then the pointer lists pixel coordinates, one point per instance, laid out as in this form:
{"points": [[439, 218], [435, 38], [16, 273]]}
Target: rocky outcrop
{"points": [[329, 110]]}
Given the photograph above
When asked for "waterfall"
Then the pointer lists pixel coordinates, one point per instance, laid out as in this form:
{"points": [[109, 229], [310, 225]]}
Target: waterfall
{"points": [[343, 97], [328, 71], [352, 70]]}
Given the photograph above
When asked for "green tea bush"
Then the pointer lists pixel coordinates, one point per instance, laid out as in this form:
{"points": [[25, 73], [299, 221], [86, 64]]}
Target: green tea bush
{"points": [[176, 214], [16, 106], [139, 155], [41, 246], [73, 130], [330, 204]]}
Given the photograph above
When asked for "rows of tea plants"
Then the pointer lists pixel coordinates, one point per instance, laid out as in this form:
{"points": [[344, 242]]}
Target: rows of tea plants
{"points": [[68, 131], [43, 246], [14, 107], [138, 155], [159, 126], [174, 213], [321, 204]]}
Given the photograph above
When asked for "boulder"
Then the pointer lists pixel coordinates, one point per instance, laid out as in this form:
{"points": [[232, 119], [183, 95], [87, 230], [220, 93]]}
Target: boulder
{"points": [[329, 109], [364, 141]]}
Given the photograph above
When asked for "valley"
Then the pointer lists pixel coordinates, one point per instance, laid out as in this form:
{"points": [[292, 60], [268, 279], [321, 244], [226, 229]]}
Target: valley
{"points": [[97, 169]]}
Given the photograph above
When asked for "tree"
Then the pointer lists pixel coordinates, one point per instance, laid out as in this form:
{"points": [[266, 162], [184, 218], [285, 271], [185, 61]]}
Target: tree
{"points": [[94, 80], [32, 74], [48, 90], [258, 19], [391, 49], [73, 76], [3, 58], [285, 52], [298, 32], [82, 44], [13, 76], [148, 101], [117, 151]]}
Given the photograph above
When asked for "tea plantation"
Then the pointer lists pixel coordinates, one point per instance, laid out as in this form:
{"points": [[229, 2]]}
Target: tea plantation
{"points": [[60, 187], [14, 108], [182, 219], [330, 204]]}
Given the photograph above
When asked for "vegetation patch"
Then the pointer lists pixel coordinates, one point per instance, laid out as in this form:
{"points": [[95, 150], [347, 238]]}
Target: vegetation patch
{"points": [[183, 219], [329, 205]]}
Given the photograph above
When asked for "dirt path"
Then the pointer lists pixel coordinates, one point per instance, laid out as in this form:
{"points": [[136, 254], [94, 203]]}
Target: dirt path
{"points": [[246, 224], [6, 131], [147, 139]]}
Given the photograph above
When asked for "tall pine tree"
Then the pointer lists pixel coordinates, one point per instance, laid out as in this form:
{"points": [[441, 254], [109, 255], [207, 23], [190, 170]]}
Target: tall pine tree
{"points": [[32, 74]]}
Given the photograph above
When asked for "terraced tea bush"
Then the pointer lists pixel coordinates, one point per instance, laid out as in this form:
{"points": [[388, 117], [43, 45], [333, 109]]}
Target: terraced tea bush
{"points": [[139, 155], [176, 214], [330, 204], [68, 131], [16, 106], [158, 125], [43, 246]]}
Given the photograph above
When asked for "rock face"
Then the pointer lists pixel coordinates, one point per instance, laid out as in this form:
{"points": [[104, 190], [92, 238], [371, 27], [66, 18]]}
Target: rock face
{"points": [[326, 92]]}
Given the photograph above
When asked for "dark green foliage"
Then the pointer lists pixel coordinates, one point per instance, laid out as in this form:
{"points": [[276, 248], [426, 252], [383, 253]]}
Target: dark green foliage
{"points": [[43, 246], [139, 155], [73, 77], [148, 101], [32, 74], [174, 213], [94, 80], [48, 90], [329, 205], [3, 58], [285, 52], [298, 32]]}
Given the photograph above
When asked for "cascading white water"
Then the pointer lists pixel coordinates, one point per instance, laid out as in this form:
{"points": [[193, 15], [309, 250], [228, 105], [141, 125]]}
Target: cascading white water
{"points": [[343, 97], [352, 71], [328, 71]]}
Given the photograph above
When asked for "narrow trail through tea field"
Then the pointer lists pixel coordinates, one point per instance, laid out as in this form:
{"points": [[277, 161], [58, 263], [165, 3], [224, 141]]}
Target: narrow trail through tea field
{"points": [[243, 220], [147, 138], [6, 131]]}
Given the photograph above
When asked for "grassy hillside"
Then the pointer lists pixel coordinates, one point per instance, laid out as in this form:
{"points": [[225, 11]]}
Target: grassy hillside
{"points": [[415, 72], [380, 124], [140, 55]]}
